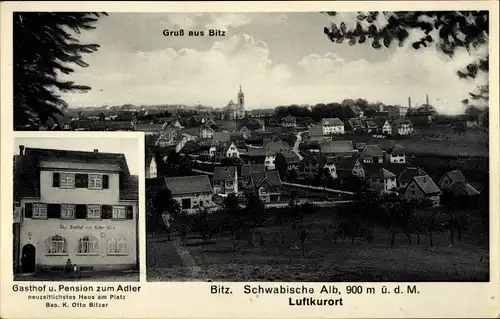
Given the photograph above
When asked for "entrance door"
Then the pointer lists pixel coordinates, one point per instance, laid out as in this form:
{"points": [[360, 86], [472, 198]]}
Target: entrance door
{"points": [[28, 258]]}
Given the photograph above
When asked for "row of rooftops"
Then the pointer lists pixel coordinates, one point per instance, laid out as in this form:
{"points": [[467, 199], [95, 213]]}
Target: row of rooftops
{"points": [[28, 164], [200, 184]]}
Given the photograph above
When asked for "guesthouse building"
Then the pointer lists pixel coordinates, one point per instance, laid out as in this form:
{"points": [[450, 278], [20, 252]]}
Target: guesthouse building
{"points": [[77, 206]]}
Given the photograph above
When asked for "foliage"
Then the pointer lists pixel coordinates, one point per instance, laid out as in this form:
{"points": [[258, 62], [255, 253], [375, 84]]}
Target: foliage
{"points": [[202, 224], [281, 166], [163, 202], [232, 215], [446, 30], [43, 49], [255, 210], [177, 165]]}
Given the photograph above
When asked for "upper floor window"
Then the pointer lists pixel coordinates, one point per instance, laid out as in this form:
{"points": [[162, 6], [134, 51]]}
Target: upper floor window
{"points": [[72, 180], [95, 181], [68, 211], [88, 246], [39, 210], [67, 180], [56, 245]]}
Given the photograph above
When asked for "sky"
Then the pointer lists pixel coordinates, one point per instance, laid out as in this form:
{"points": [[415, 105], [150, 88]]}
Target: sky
{"points": [[278, 58], [126, 146]]}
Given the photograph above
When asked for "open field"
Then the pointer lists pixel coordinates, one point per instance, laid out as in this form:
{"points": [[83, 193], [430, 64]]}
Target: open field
{"points": [[275, 259], [440, 141]]}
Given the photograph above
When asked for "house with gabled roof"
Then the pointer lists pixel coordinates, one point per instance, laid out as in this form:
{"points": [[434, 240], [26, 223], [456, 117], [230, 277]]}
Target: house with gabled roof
{"points": [[402, 126], [347, 166], [267, 185], [408, 174], [232, 150], [332, 126], [75, 205], [396, 154], [191, 192], [310, 166], [149, 128], [225, 180], [247, 170], [456, 183], [380, 179], [289, 121], [422, 188], [371, 126], [372, 154], [206, 132], [334, 150]]}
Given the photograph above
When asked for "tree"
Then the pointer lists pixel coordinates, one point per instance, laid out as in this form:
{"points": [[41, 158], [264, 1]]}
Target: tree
{"points": [[302, 236], [232, 215], [447, 30], [43, 49], [166, 210], [255, 209], [281, 166], [202, 224], [102, 117]]}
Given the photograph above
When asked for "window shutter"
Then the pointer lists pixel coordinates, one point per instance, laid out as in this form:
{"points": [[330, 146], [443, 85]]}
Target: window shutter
{"points": [[28, 210], [130, 211], [81, 180], [105, 181], [55, 179], [81, 212], [54, 211], [107, 212]]}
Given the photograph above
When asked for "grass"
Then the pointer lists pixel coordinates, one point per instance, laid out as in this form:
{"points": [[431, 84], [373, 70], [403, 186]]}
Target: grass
{"points": [[327, 260], [441, 141]]}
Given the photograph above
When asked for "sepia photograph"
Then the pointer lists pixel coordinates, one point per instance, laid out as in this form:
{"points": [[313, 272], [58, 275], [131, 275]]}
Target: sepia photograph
{"points": [[279, 147], [76, 212]]}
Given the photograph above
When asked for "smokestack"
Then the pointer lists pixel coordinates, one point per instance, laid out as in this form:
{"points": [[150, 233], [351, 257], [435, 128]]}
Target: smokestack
{"points": [[409, 102], [21, 149], [96, 150], [427, 99]]}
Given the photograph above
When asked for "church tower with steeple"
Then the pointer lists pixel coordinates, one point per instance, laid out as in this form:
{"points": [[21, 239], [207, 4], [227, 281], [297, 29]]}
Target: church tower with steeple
{"points": [[240, 113]]}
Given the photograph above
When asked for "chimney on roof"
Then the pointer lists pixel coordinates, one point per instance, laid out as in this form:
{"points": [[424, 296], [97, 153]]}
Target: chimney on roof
{"points": [[96, 150], [409, 102], [427, 99], [21, 149]]}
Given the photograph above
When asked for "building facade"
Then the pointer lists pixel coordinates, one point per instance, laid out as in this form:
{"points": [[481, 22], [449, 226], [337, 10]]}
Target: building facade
{"points": [[191, 192], [332, 126], [77, 206]]}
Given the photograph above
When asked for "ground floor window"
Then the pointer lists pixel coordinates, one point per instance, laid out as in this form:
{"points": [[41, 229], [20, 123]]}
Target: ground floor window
{"points": [[117, 246], [88, 246], [93, 211], [68, 211], [119, 212], [39, 210], [56, 245]]}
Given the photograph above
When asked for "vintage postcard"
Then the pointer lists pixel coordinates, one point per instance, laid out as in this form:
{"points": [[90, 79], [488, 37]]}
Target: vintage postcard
{"points": [[253, 159]]}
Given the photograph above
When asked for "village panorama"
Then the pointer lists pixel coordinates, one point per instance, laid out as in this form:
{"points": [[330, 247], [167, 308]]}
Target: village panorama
{"points": [[346, 190]]}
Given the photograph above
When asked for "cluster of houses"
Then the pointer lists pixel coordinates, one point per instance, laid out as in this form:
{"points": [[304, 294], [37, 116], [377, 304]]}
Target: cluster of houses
{"points": [[329, 127], [384, 171], [198, 191]]}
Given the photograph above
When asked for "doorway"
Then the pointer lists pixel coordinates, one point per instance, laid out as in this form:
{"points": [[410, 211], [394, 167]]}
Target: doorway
{"points": [[28, 258]]}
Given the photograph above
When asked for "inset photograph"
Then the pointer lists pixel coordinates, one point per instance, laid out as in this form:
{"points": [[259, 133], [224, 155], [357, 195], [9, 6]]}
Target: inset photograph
{"points": [[76, 208]]}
